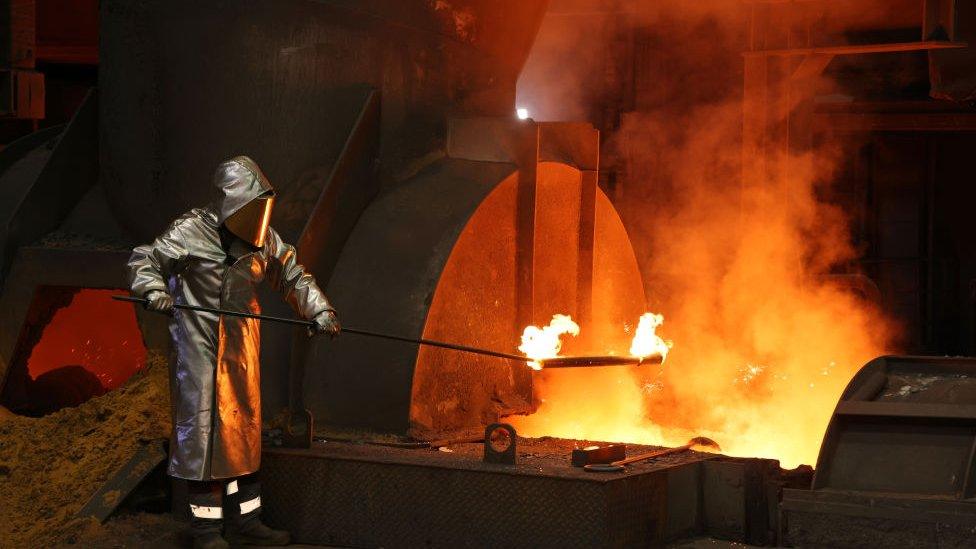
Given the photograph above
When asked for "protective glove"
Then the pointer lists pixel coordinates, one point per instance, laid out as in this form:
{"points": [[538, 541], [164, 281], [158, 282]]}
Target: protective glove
{"points": [[326, 322], [160, 302]]}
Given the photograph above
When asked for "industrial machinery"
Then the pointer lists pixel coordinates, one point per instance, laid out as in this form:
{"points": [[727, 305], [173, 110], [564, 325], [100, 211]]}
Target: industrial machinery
{"points": [[897, 464]]}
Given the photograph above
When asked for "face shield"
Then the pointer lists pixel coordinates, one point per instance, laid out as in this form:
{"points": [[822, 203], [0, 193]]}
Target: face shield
{"points": [[250, 223]]}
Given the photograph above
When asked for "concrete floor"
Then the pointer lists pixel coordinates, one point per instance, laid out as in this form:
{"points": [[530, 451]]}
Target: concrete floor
{"points": [[706, 543], [151, 531], [696, 543]]}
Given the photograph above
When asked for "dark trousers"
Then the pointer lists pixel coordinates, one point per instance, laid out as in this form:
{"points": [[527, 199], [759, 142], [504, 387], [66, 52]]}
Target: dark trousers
{"points": [[236, 501]]}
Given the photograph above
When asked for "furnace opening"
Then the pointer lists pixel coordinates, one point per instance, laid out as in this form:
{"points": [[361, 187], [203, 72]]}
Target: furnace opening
{"points": [[75, 344], [582, 265]]}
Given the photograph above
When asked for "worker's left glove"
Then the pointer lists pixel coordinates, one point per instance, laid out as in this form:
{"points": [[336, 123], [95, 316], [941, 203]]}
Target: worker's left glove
{"points": [[325, 322], [159, 301]]}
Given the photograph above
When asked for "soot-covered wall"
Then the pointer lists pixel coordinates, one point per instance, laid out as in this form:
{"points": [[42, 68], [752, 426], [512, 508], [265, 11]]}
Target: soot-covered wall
{"points": [[186, 84]]}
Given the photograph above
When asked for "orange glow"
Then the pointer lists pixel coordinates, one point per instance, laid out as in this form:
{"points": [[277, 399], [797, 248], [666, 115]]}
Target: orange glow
{"points": [[476, 302], [740, 266], [763, 342], [95, 333]]}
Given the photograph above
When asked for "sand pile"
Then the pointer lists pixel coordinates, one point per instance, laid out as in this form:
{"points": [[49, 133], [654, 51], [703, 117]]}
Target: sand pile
{"points": [[50, 466]]}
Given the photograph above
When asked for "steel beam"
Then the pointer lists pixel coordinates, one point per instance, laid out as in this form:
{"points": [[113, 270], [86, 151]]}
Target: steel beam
{"points": [[857, 49], [939, 21], [851, 122]]}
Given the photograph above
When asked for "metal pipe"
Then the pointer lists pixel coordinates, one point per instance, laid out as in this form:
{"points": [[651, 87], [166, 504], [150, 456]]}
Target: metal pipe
{"points": [[587, 361], [558, 362], [311, 324]]}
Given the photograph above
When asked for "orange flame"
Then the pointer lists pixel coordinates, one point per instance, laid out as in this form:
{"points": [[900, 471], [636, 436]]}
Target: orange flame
{"points": [[542, 343], [646, 341]]}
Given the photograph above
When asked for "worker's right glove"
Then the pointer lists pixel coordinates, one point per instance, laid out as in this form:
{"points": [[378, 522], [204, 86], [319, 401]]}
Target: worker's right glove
{"points": [[160, 302], [326, 322]]}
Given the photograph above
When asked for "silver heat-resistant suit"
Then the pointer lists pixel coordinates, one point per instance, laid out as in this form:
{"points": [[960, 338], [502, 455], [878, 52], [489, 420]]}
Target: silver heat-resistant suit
{"points": [[215, 378]]}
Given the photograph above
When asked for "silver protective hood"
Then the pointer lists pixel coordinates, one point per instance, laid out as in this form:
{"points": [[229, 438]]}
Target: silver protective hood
{"points": [[241, 184], [239, 181]]}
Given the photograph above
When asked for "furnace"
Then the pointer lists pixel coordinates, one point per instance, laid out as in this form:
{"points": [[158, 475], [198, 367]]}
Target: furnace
{"points": [[74, 345], [723, 208], [513, 229]]}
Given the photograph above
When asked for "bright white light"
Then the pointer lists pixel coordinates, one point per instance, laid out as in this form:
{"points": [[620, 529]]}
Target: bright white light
{"points": [[522, 113]]}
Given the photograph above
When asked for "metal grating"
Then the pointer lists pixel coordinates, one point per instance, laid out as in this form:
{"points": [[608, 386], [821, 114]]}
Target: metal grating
{"points": [[337, 500]]}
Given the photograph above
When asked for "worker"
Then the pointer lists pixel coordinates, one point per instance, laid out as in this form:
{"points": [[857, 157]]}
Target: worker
{"points": [[215, 257]]}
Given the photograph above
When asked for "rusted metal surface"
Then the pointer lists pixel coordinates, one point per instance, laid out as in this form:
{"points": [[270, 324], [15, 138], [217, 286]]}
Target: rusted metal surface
{"points": [[598, 454], [104, 502], [488, 233], [500, 444], [574, 143], [355, 496], [703, 442], [371, 496], [32, 208], [740, 497], [350, 186], [857, 49], [585, 242], [950, 73], [475, 302], [18, 35], [904, 425], [21, 94], [849, 520], [840, 122], [697, 441], [901, 446], [383, 282], [526, 223], [282, 95], [527, 143]]}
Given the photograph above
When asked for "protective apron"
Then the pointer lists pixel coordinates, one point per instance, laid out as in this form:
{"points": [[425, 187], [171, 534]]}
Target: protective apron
{"points": [[215, 375]]}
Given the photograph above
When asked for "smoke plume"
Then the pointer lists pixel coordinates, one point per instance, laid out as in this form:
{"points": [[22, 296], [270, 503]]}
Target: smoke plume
{"points": [[744, 272]]}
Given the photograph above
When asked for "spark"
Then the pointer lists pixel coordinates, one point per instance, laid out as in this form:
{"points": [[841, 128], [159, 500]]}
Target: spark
{"points": [[749, 373]]}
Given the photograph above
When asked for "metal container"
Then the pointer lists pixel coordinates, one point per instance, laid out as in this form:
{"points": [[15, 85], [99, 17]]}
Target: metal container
{"points": [[899, 451]]}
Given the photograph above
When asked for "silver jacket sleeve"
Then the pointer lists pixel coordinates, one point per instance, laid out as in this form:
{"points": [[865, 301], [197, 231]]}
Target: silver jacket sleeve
{"points": [[289, 278], [152, 265]]}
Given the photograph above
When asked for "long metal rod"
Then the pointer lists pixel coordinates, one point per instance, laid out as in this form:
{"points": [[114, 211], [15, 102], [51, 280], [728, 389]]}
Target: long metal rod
{"points": [[704, 442], [309, 324]]}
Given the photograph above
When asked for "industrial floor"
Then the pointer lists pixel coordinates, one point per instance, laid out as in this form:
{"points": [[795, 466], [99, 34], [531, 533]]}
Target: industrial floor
{"points": [[149, 531]]}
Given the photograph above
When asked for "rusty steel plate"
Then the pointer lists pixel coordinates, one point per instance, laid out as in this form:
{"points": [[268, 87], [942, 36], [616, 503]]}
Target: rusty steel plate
{"points": [[359, 496]]}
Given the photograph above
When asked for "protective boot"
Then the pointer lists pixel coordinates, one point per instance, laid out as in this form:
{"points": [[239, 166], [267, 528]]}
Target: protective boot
{"points": [[257, 533], [213, 540], [206, 515], [243, 505]]}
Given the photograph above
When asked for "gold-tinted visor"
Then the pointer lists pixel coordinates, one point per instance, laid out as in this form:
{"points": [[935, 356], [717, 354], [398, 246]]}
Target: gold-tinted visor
{"points": [[250, 223]]}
